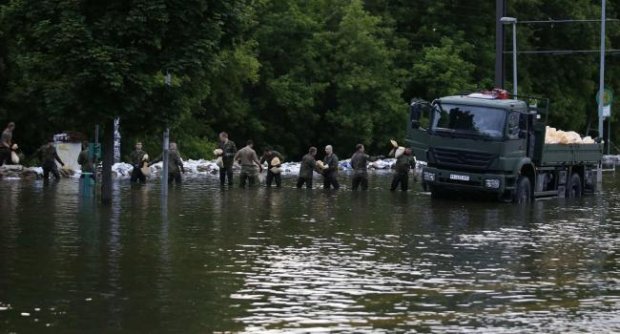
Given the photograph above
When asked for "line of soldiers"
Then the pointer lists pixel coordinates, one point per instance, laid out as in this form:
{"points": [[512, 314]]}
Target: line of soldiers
{"points": [[251, 166], [227, 154]]}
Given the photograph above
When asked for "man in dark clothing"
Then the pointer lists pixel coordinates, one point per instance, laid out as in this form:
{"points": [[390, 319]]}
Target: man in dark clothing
{"points": [[85, 162], [403, 164], [175, 164], [6, 143], [359, 164], [269, 156], [229, 150], [308, 165], [137, 159], [48, 156], [330, 172], [250, 166]]}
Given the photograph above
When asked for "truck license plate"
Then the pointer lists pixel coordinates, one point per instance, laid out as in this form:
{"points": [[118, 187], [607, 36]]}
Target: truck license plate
{"points": [[458, 177]]}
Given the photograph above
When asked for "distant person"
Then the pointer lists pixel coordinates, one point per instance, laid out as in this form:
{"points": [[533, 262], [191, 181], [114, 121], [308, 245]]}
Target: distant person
{"points": [[86, 162], [274, 161], [250, 165], [229, 150], [6, 144], [175, 164], [308, 165], [359, 164], [137, 158], [330, 172], [404, 162], [48, 156]]}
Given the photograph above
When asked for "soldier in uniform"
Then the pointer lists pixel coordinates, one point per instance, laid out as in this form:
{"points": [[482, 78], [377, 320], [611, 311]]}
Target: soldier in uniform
{"points": [[6, 143], [308, 165], [137, 159], [268, 156], [359, 164], [403, 164], [48, 156], [229, 150], [330, 172], [85, 161], [175, 164], [250, 166]]}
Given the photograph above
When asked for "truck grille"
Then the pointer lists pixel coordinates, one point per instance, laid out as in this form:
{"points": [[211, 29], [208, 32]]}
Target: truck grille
{"points": [[462, 159]]}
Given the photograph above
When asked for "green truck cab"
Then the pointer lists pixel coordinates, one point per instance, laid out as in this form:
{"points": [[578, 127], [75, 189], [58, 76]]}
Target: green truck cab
{"points": [[489, 143]]}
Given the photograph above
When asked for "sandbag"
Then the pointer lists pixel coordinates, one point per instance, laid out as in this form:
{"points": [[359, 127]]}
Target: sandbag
{"points": [[555, 136], [14, 158]]}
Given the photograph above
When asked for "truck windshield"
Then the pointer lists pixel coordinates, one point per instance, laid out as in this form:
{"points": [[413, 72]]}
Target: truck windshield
{"points": [[469, 121]]}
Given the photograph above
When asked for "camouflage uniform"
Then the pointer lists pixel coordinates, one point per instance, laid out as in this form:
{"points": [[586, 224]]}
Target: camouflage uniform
{"points": [[228, 158], [136, 161], [49, 156], [5, 146], [359, 163], [308, 164], [401, 172], [249, 170], [330, 174], [272, 176]]}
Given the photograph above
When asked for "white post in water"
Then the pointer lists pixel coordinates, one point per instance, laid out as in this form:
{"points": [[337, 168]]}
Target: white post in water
{"points": [[164, 173], [601, 92], [166, 144]]}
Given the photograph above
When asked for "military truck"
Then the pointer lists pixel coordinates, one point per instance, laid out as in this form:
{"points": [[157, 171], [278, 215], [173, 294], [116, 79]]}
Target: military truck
{"points": [[493, 143]]}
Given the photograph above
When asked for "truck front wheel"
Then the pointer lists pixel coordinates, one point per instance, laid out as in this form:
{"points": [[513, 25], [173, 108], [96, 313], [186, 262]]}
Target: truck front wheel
{"points": [[574, 189], [523, 193]]}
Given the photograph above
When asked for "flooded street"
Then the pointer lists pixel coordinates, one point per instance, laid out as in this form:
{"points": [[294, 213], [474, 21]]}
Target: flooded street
{"points": [[289, 260]]}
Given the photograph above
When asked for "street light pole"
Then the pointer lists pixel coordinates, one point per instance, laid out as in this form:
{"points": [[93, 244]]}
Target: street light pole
{"points": [[601, 83], [513, 21], [601, 100]]}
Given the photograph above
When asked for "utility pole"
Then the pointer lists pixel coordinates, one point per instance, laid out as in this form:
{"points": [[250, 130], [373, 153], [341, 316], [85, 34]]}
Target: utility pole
{"points": [[500, 11]]}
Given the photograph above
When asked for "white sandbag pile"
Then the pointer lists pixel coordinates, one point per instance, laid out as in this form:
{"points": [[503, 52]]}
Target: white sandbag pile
{"points": [[555, 136]]}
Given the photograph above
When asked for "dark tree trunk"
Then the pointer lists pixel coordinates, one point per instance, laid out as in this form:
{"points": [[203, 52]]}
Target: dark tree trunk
{"points": [[108, 159]]}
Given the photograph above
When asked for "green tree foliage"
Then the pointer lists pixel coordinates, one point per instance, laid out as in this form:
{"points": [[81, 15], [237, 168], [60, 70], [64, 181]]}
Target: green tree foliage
{"points": [[78, 63], [286, 73]]}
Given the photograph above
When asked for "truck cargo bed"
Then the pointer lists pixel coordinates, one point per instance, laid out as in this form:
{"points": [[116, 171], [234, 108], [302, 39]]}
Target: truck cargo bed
{"points": [[571, 154]]}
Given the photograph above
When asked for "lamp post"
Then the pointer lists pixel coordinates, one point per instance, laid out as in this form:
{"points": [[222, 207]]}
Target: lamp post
{"points": [[512, 20]]}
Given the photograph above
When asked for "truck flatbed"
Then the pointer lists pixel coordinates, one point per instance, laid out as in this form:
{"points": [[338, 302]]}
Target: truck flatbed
{"points": [[571, 154]]}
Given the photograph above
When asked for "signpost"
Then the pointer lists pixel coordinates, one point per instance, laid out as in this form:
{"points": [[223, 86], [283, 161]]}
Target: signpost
{"points": [[605, 111]]}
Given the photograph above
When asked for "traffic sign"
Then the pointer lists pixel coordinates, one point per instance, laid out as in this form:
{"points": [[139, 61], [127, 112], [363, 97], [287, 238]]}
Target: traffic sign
{"points": [[608, 96]]}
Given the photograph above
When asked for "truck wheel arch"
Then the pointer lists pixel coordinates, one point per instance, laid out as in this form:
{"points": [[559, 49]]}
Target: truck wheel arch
{"points": [[527, 169]]}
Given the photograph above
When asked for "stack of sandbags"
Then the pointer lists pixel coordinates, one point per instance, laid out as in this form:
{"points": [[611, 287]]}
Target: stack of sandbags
{"points": [[555, 136]]}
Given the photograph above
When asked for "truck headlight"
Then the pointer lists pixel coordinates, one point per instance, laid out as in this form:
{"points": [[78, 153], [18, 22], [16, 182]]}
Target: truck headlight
{"points": [[428, 176], [492, 183]]}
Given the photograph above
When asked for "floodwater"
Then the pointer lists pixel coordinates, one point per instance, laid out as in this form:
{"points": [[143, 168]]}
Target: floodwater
{"points": [[298, 261]]}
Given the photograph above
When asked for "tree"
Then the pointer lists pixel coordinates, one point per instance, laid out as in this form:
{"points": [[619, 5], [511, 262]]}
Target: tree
{"points": [[82, 63]]}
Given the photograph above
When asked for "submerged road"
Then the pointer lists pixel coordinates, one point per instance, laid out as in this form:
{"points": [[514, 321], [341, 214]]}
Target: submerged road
{"points": [[288, 260]]}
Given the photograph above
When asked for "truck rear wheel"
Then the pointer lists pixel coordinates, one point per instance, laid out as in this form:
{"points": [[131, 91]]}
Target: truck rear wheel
{"points": [[574, 189], [523, 193]]}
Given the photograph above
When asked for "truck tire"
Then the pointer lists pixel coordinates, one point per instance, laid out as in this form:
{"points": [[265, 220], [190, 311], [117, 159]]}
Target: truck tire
{"points": [[574, 189], [523, 193]]}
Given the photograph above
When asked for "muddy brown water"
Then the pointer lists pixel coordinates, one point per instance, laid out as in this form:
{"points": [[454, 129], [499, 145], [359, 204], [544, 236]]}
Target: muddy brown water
{"points": [[298, 261]]}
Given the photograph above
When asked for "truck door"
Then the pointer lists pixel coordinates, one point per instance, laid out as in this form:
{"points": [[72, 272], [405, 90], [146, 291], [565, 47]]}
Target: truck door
{"points": [[418, 137]]}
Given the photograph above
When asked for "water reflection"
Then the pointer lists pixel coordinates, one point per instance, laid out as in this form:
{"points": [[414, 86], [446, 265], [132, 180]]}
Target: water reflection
{"points": [[288, 260]]}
